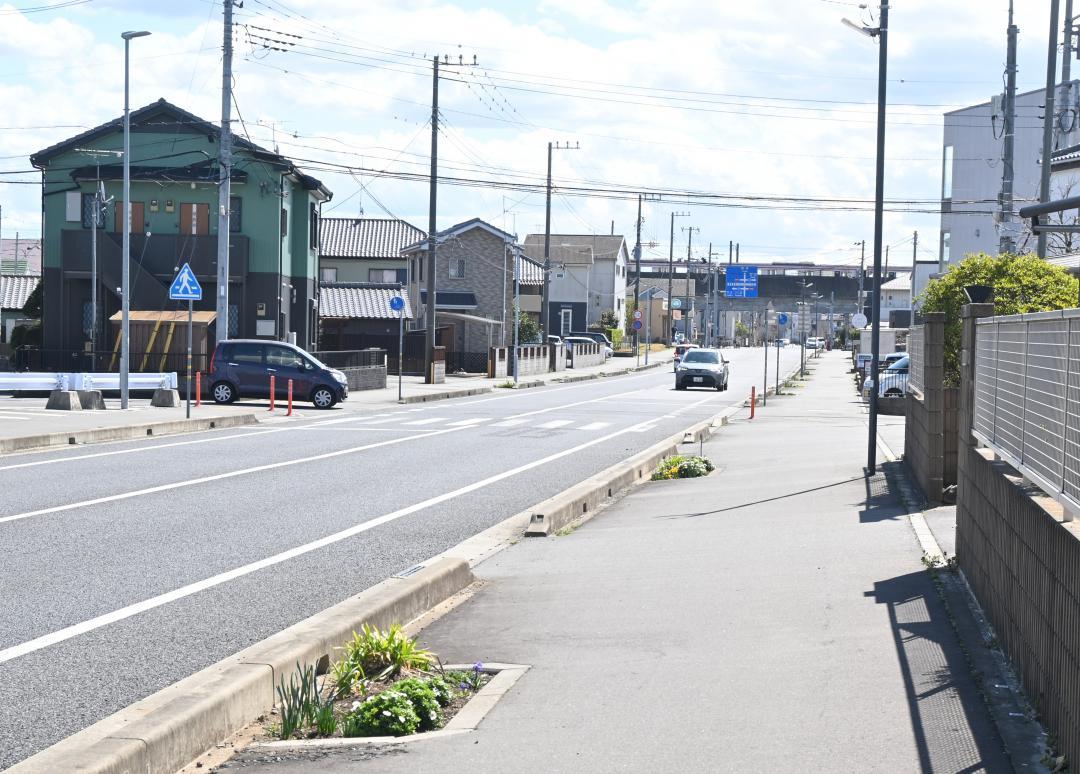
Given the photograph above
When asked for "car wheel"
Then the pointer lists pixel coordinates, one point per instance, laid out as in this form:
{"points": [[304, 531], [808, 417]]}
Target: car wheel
{"points": [[323, 397], [893, 393], [680, 386], [223, 392]]}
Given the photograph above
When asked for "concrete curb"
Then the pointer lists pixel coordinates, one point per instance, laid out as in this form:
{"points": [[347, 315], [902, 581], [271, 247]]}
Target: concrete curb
{"points": [[446, 395], [124, 432], [167, 730]]}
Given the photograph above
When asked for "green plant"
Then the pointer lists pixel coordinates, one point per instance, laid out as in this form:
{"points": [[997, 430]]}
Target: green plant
{"points": [[385, 654], [423, 700], [508, 384], [472, 680], [608, 319], [1021, 283], [32, 307], [389, 713], [528, 328], [298, 700], [346, 675], [742, 330], [678, 466], [442, 688]]}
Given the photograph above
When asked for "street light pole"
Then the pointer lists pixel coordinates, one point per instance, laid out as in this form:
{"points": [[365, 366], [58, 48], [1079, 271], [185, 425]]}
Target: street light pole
{"points": [[125, 281], [671, 275]]}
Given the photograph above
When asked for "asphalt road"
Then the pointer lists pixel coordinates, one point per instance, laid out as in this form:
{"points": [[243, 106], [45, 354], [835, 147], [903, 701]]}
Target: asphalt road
{"points": [[125, 567]]}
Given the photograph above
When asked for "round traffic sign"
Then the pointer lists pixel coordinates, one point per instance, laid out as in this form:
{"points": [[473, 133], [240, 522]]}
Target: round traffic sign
{"points": [[637, 325], [397, 303], [858, 320], [637, 314], [676, 303], [783, 318]]}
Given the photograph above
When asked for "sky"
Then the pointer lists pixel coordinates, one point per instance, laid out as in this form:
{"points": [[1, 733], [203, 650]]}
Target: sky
{"points": [[764, 111]]}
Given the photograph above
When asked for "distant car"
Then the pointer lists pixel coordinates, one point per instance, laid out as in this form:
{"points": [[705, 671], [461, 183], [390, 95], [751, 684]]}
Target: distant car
{"points": [[680, 350], [582, 339], [815, 342], [241, 368], [862, 360], [599, 338], [553, 339], [892, 380], [702, 368]]}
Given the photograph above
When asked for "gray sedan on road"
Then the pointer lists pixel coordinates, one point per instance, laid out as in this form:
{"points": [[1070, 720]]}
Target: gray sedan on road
{"points": [[702, 368]]}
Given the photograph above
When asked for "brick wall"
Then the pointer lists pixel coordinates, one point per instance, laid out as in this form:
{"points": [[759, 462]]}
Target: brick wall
{"points": [[366, 377], [556, 357]]}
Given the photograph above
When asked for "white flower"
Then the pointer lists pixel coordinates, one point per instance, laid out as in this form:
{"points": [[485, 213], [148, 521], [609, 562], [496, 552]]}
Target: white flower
{"points": [[432, 714], [355, 705], [401, 718], [386, 712]]}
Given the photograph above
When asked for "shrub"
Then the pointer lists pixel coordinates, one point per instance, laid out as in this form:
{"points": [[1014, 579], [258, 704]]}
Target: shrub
{"points": [[1021, 283], [442, 688], [389, 713], [679, 466], [385, 654], [423, 700], [346, 676]]}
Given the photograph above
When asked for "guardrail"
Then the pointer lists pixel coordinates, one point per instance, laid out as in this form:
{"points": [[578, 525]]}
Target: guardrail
{"points": [[38, 381], [1027, 397]]}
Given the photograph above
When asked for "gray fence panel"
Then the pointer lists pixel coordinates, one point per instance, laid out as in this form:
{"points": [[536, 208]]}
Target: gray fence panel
{"points": [[1071, 484], [917, 358], [985, 380]]}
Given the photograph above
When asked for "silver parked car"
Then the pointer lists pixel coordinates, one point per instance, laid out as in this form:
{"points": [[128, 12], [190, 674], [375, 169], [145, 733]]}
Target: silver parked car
{"points": [[702, 368], [893, 380]]}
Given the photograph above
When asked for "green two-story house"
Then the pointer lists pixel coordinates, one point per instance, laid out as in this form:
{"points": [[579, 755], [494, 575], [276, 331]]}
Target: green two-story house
{"points": [[274, 230]]}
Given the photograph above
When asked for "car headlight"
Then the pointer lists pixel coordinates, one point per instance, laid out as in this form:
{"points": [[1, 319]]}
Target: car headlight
{"points": [[339, 376]]}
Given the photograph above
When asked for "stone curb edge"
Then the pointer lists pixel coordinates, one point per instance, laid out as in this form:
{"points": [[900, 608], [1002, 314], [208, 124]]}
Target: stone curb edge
{"points": [[165, 731], [123, 432]]}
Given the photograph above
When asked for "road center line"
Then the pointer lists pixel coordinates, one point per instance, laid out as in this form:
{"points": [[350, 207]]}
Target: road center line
{"points": [[91, 624]]}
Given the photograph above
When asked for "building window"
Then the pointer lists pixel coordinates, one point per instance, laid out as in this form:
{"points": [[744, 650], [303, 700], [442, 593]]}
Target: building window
{"points": [[945, 247], [946, 173], [388, 276], [329, 274], [236, 213], [88, 212], [313, 226], [457, 268], [284, 222]]}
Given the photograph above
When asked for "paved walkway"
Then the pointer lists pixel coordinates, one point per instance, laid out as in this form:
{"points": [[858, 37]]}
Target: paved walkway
{"points": [[774, 616], [23, 417]]}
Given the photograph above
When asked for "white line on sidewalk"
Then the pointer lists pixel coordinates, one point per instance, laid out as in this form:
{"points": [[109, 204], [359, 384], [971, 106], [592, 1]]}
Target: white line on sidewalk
{"points": [[91, 624]]}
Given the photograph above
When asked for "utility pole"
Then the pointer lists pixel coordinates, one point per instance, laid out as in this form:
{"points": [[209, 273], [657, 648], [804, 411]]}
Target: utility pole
{"points": [[914, 263], [862, 274], [688, 317], [1007, 241], [224, 185], [671, 276], [544, 315], [637, 274], [1048, 116]]}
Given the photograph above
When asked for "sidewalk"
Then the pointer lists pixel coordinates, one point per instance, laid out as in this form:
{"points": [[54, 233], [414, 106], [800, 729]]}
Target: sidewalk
{"points": [[24, 422], [774, 616]]}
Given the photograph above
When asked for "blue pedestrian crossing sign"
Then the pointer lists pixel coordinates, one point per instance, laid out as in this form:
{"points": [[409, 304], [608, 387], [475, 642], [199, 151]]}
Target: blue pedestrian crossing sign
{"points": [[397, 303], [185, 287]]}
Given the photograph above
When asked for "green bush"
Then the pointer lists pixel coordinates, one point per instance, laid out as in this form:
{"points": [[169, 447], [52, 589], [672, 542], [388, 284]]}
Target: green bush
{"points": [[384, 654], [679, 466], [1021, 283], [616, 336], [423, 700], [442, 688], [389, 713]]}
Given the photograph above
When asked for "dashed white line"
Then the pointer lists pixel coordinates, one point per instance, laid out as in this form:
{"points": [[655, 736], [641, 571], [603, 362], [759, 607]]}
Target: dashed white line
{"points": [[468, 422], [511, 423], [556, 423], [428, 421], [594, 426]]}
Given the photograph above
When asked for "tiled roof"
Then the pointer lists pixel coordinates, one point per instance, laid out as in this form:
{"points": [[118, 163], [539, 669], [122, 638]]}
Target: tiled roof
{"points": [[366, 237], [532, 273], [461, 228], [899, 282], [576, 248], [360, 300], [29, 254], [16, 288]]}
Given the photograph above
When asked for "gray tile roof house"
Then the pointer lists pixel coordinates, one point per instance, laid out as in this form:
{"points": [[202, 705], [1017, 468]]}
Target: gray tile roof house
{"points": [[366, 237], [16, 288], [360, 301]]}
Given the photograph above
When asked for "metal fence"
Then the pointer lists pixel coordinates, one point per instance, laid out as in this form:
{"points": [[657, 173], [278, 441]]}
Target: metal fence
{"points": [[466, 362], [1027, 397], [916, 359]]}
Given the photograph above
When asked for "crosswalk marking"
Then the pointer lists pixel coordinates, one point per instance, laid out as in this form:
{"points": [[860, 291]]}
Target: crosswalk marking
{"points": [[467, 422], [510, 423], [594, 426], [428, 421], [555, 423]]}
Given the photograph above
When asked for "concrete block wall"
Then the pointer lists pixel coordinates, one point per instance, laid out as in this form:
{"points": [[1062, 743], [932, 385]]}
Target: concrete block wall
{"points": [[532, 360], [1023, 564], [556, 357], [930, 431], [498, 363], [366, 377], [586, 355]]}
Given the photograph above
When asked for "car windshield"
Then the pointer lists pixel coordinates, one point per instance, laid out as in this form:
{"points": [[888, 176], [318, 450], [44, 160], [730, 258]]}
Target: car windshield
{"points": [[899, 365], [700, 356]]}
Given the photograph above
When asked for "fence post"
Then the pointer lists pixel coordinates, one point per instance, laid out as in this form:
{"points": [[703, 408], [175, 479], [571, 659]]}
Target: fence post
{"points": [[969, 315], [198, 389]]}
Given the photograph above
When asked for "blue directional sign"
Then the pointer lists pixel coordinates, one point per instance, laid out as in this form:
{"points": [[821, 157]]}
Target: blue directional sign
{"points": [[397, 303], [741, 281], [637, 325], [676, 303], [783, 318], [185, 287]]}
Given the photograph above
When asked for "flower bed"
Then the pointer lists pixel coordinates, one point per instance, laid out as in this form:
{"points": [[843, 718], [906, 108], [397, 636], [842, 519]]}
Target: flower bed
{"points": [[383, 685], [680, 466]]}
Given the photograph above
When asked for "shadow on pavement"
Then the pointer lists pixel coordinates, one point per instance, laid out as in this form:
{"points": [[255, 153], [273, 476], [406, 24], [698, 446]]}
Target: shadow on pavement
{"points": [[759, 502], [951, 725], [883, 500]]}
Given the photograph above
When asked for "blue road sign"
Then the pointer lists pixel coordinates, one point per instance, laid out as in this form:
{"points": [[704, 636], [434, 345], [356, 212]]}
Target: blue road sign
{"points": [[637, 325], [741, 281], [185, 287], [783, 318], [397, 303], [676, 303]]}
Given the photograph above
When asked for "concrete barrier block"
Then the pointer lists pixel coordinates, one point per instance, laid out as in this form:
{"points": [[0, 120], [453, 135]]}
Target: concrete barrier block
{"points": [[165, 399], [91, 400], [64, 400]]}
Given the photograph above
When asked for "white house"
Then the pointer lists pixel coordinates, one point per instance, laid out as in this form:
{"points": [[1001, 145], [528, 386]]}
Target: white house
{"points": [[588, 278], [895, 295]]}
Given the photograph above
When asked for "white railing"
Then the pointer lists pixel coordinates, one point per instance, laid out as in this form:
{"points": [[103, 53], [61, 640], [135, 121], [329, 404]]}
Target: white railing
{"points": [[1027, 397], [916, 358], [36, 381]]}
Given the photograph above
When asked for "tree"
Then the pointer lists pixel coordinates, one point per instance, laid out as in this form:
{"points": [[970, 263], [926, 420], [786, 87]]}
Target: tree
{"points": [[742, 330], [1021, 283], [528, 329], [608, 319], [32, 307]]}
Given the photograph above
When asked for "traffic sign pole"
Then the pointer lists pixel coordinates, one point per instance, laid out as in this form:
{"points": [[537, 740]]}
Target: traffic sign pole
{"points": [[186, 287], [190, 308], [397, 303]]}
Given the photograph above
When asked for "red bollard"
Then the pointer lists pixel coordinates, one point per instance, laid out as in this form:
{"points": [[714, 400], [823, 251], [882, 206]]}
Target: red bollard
{"points": [[198, 389], [289, 412], [272, 390], [753, 400]]}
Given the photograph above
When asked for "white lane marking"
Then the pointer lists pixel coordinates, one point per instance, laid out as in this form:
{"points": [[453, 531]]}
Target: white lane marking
{"points": [[219, 476], [368, 418], [556, 423], [510, 423], [91, 624], [94, 455], [644, 428], [15, 416], [594, 426], [468, 422], [428, 421]]}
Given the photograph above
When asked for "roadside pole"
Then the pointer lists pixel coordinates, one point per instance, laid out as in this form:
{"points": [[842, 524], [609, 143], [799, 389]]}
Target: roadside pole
{"points": [[648, 329], [777, 374], [185, 287], [397, 303], [765, 346], [190, 311]]}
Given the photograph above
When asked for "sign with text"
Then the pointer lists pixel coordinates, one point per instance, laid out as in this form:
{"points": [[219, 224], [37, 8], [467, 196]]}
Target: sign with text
{"points": [[741, 281]]}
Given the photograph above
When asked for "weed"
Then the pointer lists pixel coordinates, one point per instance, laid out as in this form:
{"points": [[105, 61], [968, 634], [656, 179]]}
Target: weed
{"points": [[385, 654], [297, 700], [508, 384], [346, 675]]}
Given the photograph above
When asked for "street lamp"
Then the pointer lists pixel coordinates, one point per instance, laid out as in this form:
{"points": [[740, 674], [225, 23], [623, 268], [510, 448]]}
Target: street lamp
{"points": [[881, 32], [125, 282]]}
